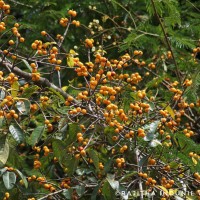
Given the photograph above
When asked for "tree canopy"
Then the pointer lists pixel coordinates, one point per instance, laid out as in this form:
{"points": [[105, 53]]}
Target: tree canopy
{"points": [[99, 99]]}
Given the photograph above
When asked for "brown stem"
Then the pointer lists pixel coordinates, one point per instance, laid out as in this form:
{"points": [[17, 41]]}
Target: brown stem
{"points": [[167, 40], [27, 76]]}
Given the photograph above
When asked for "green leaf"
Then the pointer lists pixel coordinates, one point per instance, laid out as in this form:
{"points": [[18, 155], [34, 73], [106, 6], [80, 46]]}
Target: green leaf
{"points": [[95, 192], [68, 193], [2, 94], [9, 179], [4, 150], [16, 132], [95, 157], [113, 183], [23, 107], [23, 178], [2, 120], [71, 164], [151, 129], [80, 189], [155, 143], [108, 192], [73, 129], [36, 135], [29, 91], [14, 88], [128, 175], [70, 61], [57, 93], [27, 65], [2, 171], [58, 147]]}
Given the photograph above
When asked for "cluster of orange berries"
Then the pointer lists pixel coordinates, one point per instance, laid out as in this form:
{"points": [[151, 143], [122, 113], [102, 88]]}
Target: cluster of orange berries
{"points": [[42, 181], [46, 150], [123, 149], [33, 107], [52, 58], [2, 26], [106, 90], [40, 47], [10, 115], [141, 132], [196, 50], [32, 178], [93, 82], [16, 32], [120, 162], [82, 151], [65, 183], [64, 21], [12, 78], [44, 100], [6, 196], [194, 155], [187, 83], [138, 53], [79, 137], [37, 149], [150, 182], [35, 76], [89, 43], [164, 113], [90, 66], [37, 164], [49, 125], [141, 94], [69, 100], [34, 67], [119, 64], [77, 111], [81, 69], [4, 7], [102, 61], [197, 176], [8, 100], [76, 23], [130, 134], [188, 133], [139, 107], [72, 13], [134, 79], [167, 183], [49, 187], [151, 65], [82, 95], [143, 175]]}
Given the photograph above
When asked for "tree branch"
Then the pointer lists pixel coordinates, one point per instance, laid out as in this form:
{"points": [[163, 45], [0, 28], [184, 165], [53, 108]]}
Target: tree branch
{"points": [[27, 76]]}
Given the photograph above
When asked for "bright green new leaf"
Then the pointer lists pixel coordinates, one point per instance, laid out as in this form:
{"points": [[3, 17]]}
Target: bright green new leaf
{"points": [[14, 88]]}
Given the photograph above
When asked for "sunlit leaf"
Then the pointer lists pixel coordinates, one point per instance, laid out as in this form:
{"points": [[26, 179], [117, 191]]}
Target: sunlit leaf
{"points": [[9, 179], [16, 132]]}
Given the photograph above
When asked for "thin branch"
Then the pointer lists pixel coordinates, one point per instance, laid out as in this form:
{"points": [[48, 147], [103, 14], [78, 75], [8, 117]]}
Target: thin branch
{"points": [[41, 82], [167, 40], [22, 4]]}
